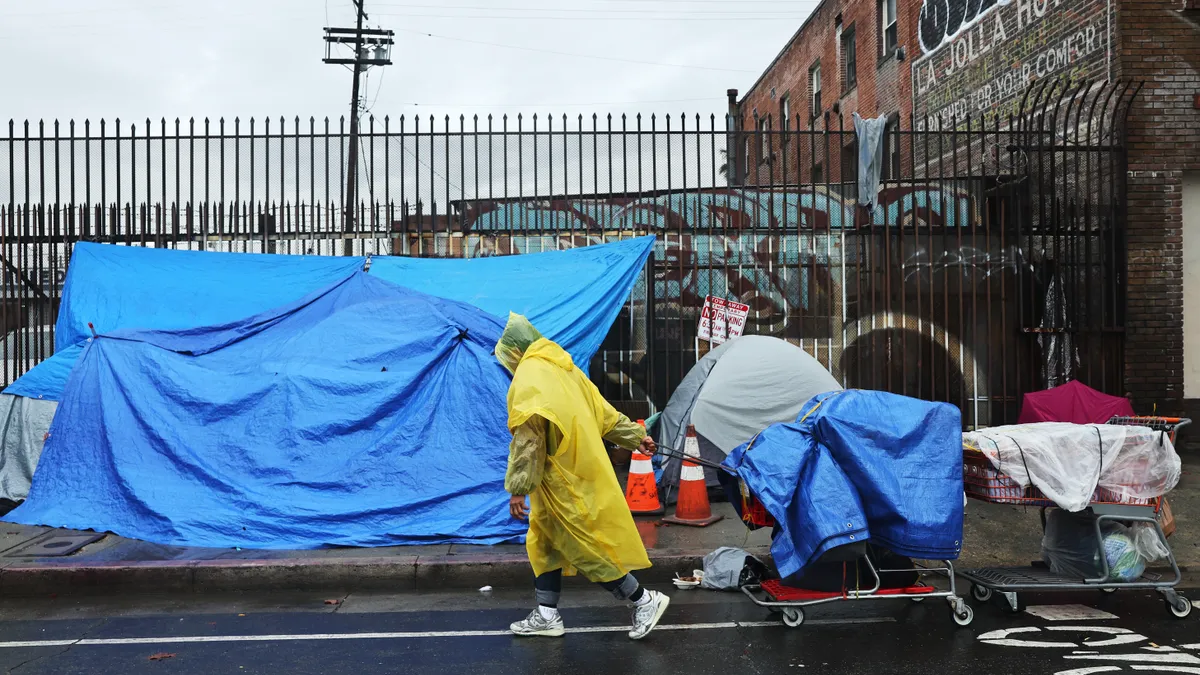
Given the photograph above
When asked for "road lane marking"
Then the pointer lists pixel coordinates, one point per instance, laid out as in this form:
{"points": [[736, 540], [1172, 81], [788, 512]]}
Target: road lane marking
{"points": [[1069, 613], [1187, 659], [1000, 638], [198, 639]]}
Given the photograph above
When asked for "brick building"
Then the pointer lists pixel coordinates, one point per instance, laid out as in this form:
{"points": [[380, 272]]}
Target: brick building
{"points": [[929, 63]]}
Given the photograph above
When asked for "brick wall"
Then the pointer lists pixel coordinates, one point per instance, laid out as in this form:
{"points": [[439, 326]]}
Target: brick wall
{"points": [[882, 87], [1160, 45], [1155, 41]]}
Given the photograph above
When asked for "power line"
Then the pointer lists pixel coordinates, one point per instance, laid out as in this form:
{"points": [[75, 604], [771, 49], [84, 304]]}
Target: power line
{"points": [[577, 55], [549, 105], [674, 12], [795, 17]]}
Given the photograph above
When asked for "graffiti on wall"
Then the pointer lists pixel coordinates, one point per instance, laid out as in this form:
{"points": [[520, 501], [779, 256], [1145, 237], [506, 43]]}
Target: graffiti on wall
{"points": [[981, 55], [808, 264]]}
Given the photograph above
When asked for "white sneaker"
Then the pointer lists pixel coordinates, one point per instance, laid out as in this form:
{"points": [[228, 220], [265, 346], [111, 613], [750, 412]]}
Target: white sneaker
{"points": [[646, 616], [536, 625]]}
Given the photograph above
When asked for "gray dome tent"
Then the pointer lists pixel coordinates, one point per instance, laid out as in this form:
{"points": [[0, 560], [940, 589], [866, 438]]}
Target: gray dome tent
{"points": [[734, 392]]}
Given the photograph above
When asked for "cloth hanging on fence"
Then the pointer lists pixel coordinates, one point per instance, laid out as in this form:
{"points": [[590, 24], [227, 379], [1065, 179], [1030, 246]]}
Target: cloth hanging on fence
{"points": [[871, 138]]}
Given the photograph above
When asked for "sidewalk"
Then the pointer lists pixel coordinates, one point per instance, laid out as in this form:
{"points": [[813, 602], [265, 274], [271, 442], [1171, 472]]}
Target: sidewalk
{"points": [[993, 535], [117, 564]]}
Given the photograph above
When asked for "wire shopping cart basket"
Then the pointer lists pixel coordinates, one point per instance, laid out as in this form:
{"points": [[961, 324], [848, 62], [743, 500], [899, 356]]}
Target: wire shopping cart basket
{"points": [[983, 482]]}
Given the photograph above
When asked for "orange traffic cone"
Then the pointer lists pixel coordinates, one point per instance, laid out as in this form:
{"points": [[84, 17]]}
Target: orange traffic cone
{"points": [[641, 493], [693, 507]]}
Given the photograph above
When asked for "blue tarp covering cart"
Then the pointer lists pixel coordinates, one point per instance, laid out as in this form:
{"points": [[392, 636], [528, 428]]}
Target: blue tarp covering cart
{"points": [[859, 467], [359, 412]]}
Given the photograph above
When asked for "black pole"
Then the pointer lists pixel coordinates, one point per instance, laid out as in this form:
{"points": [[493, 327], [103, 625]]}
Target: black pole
{"points": [[352, 169]]}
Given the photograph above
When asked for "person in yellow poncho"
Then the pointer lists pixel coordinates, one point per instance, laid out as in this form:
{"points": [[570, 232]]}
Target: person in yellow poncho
{"points": [[578, 519]]}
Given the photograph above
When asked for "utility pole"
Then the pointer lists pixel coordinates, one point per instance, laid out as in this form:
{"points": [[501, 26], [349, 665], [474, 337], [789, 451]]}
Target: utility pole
{"points": [[372, 47]]}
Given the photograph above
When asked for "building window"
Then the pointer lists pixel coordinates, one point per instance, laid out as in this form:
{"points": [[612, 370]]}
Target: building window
{"points": [[785, 116], [746, 158], [850, 163], [764, 134], [887, 29], [891, 148], [849, 61], [818, 174], [814, 86]]}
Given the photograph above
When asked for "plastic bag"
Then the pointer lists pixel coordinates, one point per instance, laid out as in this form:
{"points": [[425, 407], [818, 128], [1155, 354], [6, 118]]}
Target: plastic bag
{"points": [[1148, 544], [728, 569], [1124, 561], [1067, 462], [1069, 546]]}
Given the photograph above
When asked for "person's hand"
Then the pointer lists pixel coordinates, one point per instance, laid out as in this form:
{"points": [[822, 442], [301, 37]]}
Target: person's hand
{"points": [[648, 446], [516, 506]]}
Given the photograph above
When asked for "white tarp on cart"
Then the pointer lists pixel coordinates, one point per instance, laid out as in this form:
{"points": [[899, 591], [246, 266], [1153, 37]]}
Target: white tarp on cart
{"points": [[1067, 462]]}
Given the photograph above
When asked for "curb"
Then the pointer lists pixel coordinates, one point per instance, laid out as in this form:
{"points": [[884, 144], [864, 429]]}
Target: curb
{"points": [[345, 575], [348, 575]]}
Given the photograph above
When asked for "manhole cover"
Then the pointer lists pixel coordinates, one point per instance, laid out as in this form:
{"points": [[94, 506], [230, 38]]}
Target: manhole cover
{"points": [[58, 545]]}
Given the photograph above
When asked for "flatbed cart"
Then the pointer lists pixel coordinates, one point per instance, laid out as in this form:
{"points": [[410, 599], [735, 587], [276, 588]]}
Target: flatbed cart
{"points": [[790, 602], [983, 482]]}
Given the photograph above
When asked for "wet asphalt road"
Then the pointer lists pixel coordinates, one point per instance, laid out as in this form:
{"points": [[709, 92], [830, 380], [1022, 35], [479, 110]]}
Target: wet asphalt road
{"points": [[704, 633]]}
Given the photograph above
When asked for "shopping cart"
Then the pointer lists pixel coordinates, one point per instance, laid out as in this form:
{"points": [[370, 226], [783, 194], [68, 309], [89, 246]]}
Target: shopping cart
{"points": [[790, 602], [981, 481]]}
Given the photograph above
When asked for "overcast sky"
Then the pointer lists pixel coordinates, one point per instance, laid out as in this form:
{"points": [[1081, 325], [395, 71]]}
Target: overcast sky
{"points": [[152, 58]]}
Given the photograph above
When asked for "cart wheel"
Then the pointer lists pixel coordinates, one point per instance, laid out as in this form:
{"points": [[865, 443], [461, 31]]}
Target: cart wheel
{"points": [[981, 593], [1181, 608], [793, 617], [964, 615]]}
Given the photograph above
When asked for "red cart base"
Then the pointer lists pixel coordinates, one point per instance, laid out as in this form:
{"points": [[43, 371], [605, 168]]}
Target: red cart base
{"points": [[778, 592]]}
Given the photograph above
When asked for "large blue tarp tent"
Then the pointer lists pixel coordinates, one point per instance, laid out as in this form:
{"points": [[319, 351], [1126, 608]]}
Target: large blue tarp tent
{"points": [[363, 413], [571, 295], [858, 466]]}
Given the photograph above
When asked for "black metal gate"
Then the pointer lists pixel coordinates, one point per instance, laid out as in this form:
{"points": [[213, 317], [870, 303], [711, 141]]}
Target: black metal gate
{"points": [[992, 266]]}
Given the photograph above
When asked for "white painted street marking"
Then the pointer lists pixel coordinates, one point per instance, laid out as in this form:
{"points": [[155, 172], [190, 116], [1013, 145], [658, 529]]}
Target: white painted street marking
{"points": [[1069, 613], [1000, 638], [1191, 646], [1168, 669], [1124, 636], [195, 639], [1090, 671], [1144, 658]]}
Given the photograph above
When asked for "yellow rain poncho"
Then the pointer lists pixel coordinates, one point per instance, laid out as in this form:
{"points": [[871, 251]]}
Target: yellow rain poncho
{"points": [[578, 519]]}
